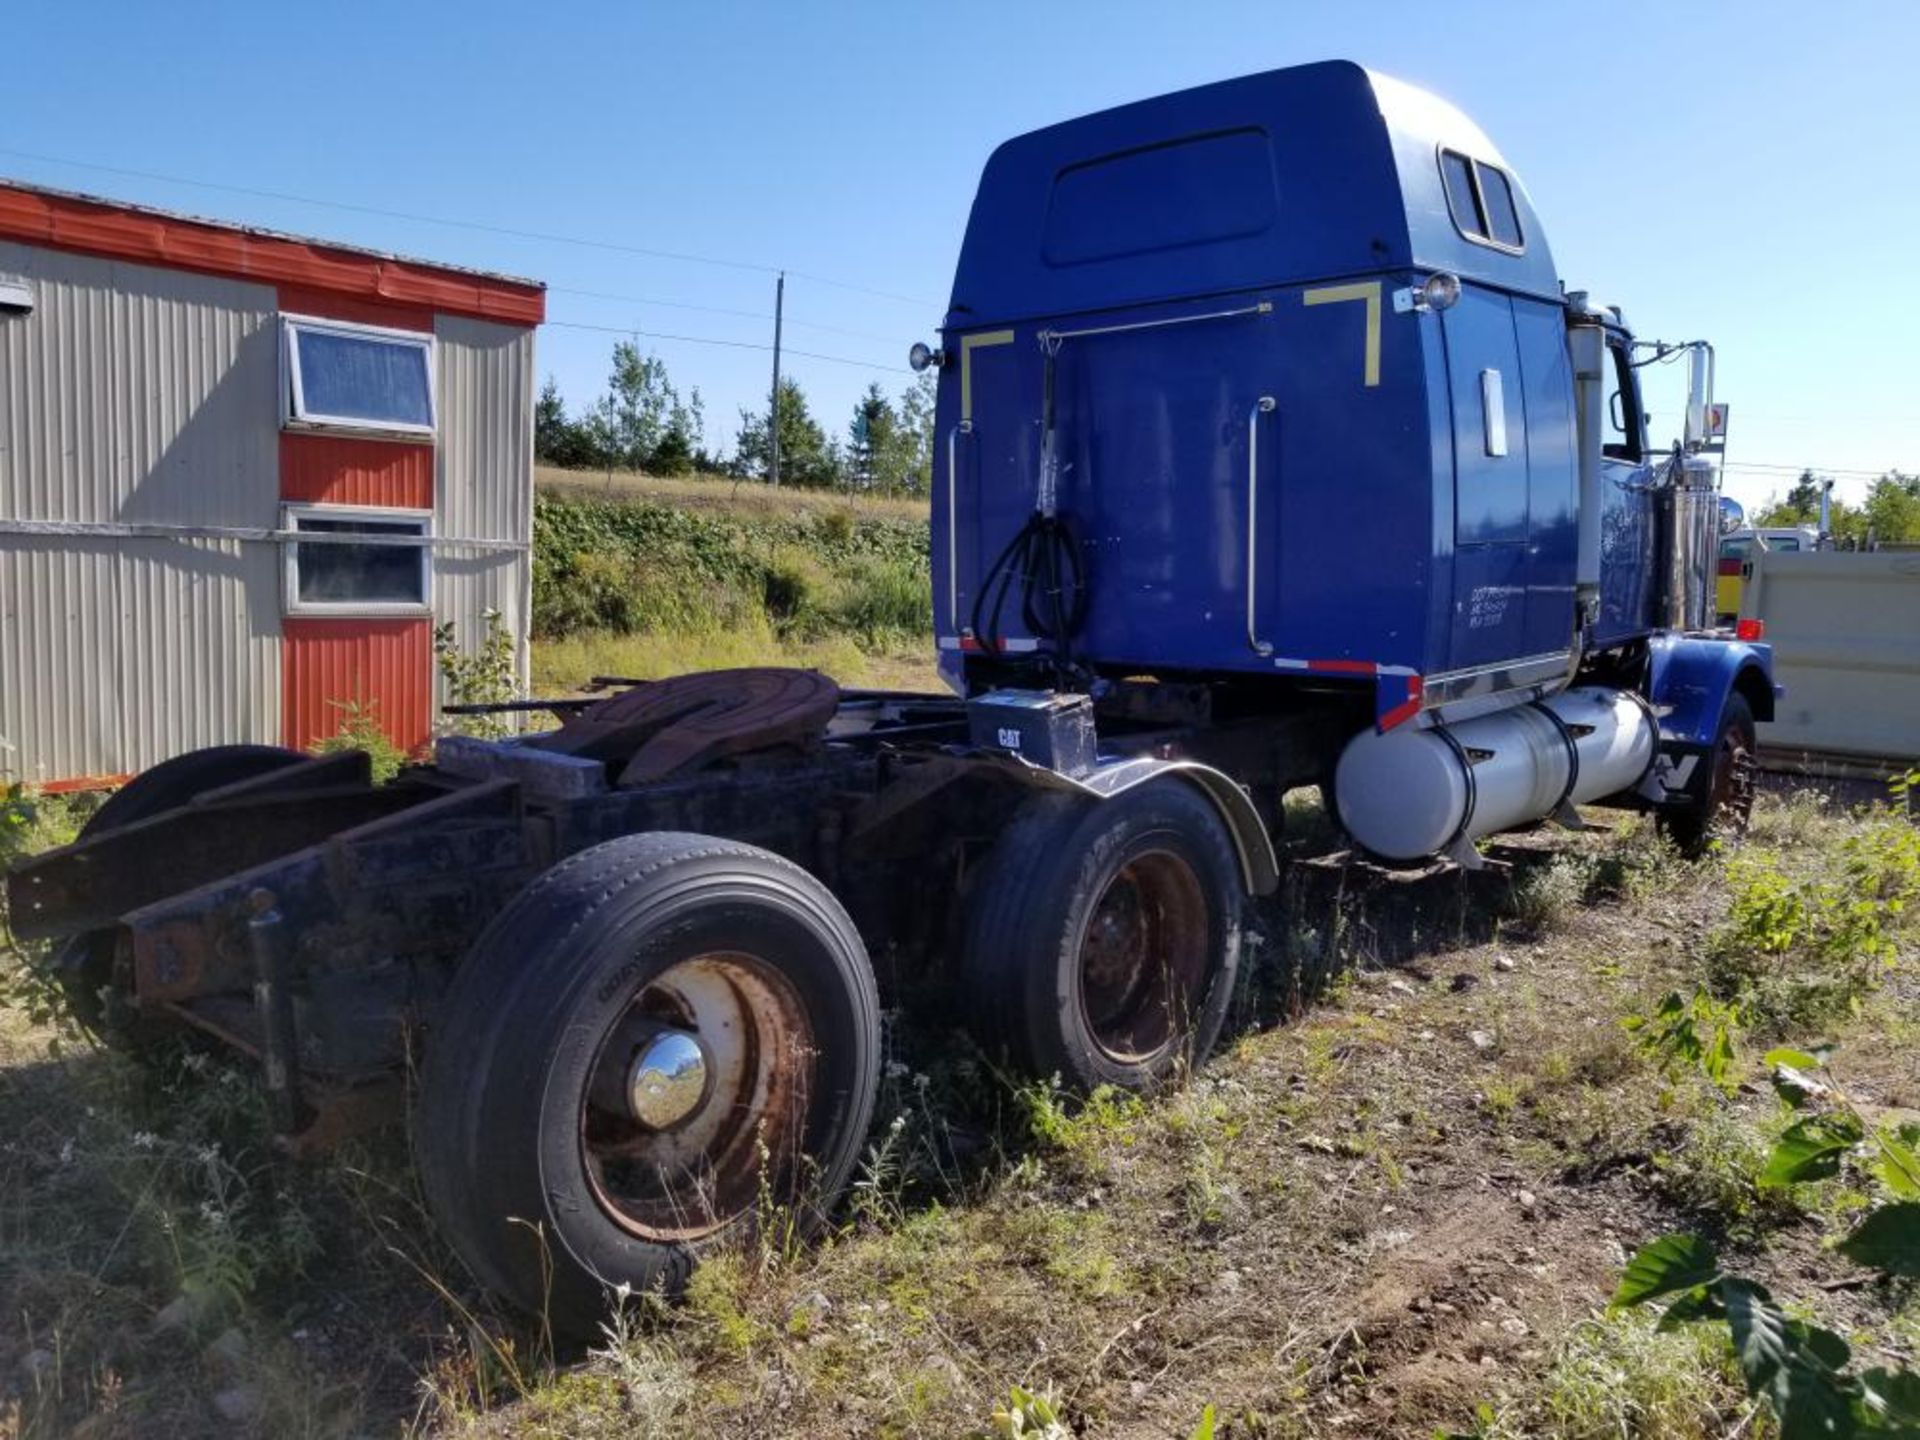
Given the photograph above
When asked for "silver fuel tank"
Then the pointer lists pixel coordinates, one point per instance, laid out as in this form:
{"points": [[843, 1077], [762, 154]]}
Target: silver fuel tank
{"points": [[1412, 793]]}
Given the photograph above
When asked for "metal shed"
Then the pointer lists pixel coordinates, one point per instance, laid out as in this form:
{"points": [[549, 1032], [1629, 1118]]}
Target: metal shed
{"points": [[242, 475]]}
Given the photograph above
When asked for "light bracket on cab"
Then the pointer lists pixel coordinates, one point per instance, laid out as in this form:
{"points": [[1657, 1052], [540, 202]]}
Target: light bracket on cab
{"points": [[1439, 292]]}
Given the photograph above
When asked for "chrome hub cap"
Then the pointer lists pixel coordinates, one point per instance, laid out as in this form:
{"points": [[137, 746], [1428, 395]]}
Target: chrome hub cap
{"points": [[670, 1080]]}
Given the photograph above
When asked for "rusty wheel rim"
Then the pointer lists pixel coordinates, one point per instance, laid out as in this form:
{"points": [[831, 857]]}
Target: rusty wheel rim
{"points": [[1730, 805], [696, 1102], [1143, 957]]}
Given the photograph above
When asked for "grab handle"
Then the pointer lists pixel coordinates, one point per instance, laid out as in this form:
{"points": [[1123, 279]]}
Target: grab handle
{"points": [[1265, 405], [963, 427]]}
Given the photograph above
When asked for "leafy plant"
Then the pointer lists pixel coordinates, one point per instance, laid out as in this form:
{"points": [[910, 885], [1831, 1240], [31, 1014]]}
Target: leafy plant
{"points": [[1800, 949], [1030, 1416], [1694, 1034], [488, 675], [1797, 1368]]}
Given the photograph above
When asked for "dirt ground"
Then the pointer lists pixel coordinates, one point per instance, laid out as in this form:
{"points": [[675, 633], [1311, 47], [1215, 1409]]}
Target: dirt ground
{"points": [[1403, 1193]]}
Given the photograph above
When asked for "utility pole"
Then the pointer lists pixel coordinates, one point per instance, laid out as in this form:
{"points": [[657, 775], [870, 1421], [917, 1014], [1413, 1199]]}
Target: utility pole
{"points": [[773, 416]]}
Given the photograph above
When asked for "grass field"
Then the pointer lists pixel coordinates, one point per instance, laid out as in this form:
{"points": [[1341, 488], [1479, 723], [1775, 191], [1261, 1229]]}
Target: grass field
{"points": [[1403, 1191]]}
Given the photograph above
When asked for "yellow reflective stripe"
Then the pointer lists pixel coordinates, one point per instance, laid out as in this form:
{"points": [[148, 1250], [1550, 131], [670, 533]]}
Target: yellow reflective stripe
{"points": [[1369, 291], [968, 344]]}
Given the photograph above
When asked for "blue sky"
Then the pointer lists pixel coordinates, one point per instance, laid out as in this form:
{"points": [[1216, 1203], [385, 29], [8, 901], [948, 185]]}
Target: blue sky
{"points": [[1750, 173]]}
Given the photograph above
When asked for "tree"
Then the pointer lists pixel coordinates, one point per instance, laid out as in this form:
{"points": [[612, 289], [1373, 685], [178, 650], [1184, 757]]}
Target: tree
{"points": [[682, 444], [806, 457], [556, 439], [1892, 509], [872, 442], [915, 435], [644, 404], [1802, 507]]}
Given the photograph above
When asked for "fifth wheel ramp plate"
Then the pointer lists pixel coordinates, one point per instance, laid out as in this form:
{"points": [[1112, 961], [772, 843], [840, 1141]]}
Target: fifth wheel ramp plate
{"points": [[672, 725]]}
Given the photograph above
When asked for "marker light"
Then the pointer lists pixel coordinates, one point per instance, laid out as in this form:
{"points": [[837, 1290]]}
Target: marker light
{"points": [[921, 356], [1750, 630], [1441, 291]]}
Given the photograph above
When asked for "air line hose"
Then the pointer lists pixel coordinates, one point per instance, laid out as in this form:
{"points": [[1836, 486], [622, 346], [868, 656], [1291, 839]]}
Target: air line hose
{"points": [[1042, 556]]}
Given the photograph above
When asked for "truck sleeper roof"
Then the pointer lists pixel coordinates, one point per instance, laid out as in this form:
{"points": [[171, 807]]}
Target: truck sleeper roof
{"points": [[1290, 175]]}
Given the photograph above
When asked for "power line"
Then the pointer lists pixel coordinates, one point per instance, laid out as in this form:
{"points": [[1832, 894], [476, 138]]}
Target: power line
{"points": [[759, 315], [868, 365], [475, 225], [1769, 467]]}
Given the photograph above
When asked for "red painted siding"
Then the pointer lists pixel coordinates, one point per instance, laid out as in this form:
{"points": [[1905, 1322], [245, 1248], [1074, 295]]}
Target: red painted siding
{"points": [[384, 664], [342, 470], [148, 237]]}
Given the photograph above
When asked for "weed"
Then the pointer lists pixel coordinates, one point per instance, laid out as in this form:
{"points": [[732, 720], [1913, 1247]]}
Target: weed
{"points": [[1621, 1375], [489, 675], [1799, 950], [886, 600], [1684, 1035], [795, 586], [1715, 1170], [1799, 1370], [1057, 1121], [1031, 1415], [1634, 865], [1545, 895]]}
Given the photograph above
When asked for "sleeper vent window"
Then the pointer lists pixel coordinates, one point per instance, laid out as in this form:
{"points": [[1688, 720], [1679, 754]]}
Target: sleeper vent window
{"points": [[389, 574], [356, 377], [1480, 196]]}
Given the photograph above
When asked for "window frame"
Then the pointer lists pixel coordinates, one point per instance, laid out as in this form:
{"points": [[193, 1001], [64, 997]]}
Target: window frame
{"points": [[294, 412], [1474, 166], [1627, 379], [292, 513]]}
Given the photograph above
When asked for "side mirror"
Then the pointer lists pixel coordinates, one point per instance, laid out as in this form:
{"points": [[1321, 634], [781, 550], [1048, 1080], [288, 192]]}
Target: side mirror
{"points": [[1617, 412]]}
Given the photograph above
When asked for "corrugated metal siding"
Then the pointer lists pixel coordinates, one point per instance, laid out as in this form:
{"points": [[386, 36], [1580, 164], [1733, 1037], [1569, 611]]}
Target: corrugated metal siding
{"points": [[132, 393], [1845, 631], [333, 664], [341, 470], [484, 486]]}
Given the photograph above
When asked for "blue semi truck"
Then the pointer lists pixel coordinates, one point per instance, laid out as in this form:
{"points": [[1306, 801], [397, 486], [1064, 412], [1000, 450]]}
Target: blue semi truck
{"points": [[1270, 454]]}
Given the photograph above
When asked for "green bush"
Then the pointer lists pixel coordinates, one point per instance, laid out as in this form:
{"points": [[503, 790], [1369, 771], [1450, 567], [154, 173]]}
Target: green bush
{"points": [[1797, 950], [640, 567], [885, 598], [794, 585]]}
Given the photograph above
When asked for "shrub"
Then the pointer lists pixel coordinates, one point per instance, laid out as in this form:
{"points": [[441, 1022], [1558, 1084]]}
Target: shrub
{"points": [[360, 729], [632, 568], [1544, 895], [886, 599], [489, 675], [794, 586], [1799, 950]]}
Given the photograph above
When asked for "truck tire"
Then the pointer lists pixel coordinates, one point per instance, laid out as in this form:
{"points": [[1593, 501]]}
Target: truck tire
{"points": [[83, 965], [1103, 936], [1720, 800], [653, 1039]]}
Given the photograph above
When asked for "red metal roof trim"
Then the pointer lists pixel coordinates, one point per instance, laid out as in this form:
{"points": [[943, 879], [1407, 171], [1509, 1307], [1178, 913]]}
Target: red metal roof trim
{"points": [[96, 227]]}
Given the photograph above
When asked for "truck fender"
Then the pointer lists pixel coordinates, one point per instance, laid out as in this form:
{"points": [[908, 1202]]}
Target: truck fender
{"points": [[1691, 678], [1258, 866]]}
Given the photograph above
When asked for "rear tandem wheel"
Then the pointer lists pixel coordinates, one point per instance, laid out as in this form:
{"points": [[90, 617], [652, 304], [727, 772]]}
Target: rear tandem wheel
{"points": [[654, 1039], [1103, 936]]}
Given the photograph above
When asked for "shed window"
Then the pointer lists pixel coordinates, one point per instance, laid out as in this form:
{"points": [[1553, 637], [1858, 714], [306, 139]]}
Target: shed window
{"points": [[1480, 196], [357, 377], [388, 574]]}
